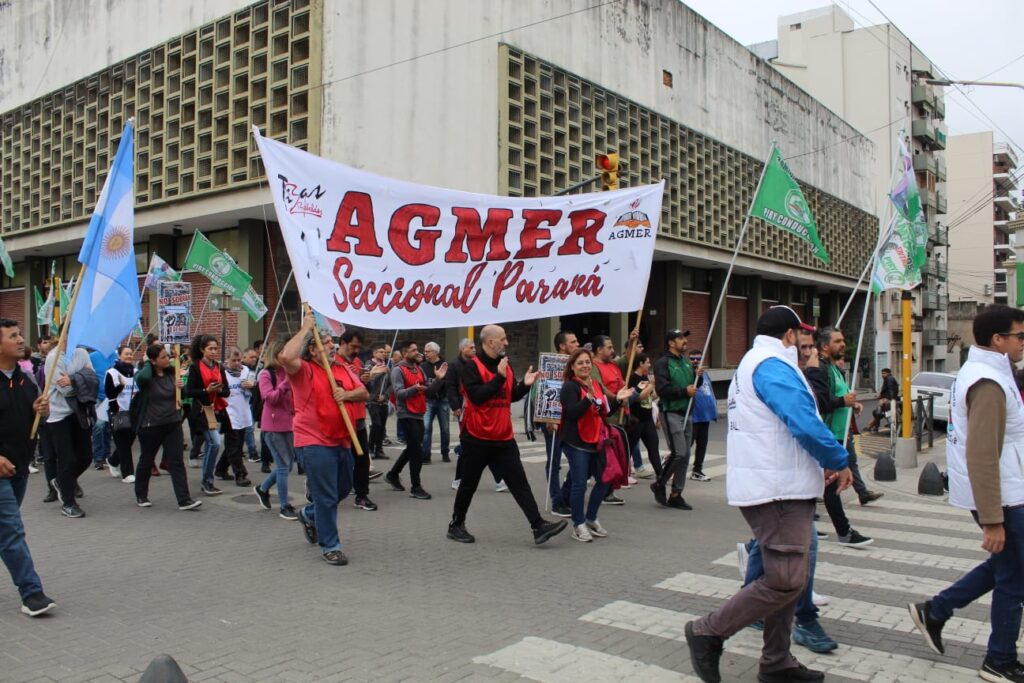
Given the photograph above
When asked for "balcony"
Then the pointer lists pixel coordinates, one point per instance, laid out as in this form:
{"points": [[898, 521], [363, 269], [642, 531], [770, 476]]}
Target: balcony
{"points": [[926, 162], [923, 130], [934, 337], [940, 169], [923, 95], [939, 234], [1002, 153], [940, 107], [935, 268], [940, 202], [933, 301], [896, 325], [1004, 249], [1006, 203], [1005, 181]]}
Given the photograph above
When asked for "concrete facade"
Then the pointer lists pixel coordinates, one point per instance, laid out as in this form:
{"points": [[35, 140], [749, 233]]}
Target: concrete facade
{"points": [[383, 88]]}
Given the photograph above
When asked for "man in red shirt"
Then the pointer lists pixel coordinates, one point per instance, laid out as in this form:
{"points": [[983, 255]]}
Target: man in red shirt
{"points": [[322, 443], [610, 375], [489, 389], [348, 355]]}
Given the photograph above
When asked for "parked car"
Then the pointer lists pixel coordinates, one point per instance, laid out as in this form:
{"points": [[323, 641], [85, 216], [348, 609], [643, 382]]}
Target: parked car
{"points": [[937, 384]]}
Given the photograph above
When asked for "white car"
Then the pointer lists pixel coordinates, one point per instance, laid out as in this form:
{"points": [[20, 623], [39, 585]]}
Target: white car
{"points": [[937, 384]]}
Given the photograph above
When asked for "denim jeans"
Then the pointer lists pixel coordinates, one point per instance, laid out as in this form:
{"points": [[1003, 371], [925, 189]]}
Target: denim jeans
{"points": [[553, 449], [436, 408], [806, 611], [329, 477], [101, 441], [583, 466], [282, 447], [1003, 574], [13, 546], [212, 439], [250, 444]]}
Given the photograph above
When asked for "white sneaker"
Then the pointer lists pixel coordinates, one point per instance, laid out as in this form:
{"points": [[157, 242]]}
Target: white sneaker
{"points": [[115, 472], [32, 469], [596, 529], [130, 479], [455, 484], [819, 599], [501, 486], [630, 482], [644, 472], [582, 533], [742, 555]]}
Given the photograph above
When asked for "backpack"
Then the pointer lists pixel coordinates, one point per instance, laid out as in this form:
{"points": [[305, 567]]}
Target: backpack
{"points": [[256, 398]]}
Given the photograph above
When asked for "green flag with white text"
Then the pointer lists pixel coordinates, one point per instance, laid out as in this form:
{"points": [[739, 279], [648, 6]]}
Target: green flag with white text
{"points": [[781, 203], [216, 266], [253, 304]]}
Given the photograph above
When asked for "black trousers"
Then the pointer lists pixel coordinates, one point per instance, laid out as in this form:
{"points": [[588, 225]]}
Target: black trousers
{"points": [[234, 442], [72, 447], [47, 454], [412, 427], [151, 440], [701, 431], [647, 432], [361, 471], [378, 413], [503, 459], [122, 457], [196, 429]]}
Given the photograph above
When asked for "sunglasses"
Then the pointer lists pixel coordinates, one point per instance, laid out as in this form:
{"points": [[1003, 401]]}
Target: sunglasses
{"points": [[1018, 335]]}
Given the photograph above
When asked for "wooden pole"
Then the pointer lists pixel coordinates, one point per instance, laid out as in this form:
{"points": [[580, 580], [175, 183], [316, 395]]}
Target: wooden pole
{"points": [[632, 357], [334, 385], [177, 376], [61, 342]]}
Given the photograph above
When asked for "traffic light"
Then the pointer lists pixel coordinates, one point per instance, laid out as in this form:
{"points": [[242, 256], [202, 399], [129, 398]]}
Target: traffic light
{"points": [[608, 164]]}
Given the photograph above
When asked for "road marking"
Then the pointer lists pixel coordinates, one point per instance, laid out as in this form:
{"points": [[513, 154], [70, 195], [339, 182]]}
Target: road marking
{"points": [[840, 609], [857, 663], [921, 539], [895, 517], [939, 507], [550, 661], [908, 557]]}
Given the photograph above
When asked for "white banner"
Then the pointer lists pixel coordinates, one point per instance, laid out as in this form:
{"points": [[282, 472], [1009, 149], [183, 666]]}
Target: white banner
{"points": [[377, 252]]}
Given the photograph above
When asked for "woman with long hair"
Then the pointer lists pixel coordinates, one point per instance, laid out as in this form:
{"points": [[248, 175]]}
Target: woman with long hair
{"points": [[119, 384], [156, 417], [207, 386], [584, 408], [276, 428]]}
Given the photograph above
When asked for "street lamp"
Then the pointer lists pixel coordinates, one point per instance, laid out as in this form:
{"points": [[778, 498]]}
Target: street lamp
{"points": [[946, 81]]}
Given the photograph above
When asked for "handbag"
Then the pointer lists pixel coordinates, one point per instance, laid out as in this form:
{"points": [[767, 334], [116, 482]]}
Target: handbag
{"points": [[211, 418], [121, 421]]}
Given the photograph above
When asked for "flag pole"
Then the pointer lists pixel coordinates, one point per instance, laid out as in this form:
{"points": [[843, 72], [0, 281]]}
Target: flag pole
{"points": [[273, 317], [632, 356], [728, 274], [387, 364], [326, 363], [61, 342]]}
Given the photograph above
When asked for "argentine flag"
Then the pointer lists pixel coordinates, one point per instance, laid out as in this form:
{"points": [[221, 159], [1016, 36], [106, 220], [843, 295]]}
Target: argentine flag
{"points": [[107, 307]]}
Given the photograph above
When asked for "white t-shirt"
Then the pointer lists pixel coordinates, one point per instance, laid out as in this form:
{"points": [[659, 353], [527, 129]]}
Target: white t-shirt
{"points": [[238, 401]]}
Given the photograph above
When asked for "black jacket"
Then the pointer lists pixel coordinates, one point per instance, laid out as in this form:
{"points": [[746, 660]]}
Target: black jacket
{"points": [[890, 388], [82, 400], [452, 383], [574, 407], [195, 389], [820, 380], [16, 397]]}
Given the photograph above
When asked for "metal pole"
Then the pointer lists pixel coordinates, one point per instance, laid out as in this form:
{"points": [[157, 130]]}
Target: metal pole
{"points": [[577, 186], [907, 303]]}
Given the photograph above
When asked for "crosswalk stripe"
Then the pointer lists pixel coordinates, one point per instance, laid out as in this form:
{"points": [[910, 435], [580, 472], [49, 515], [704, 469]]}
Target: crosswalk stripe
{"points": [[840, 609], [936, 508], [908, 557], [895, 517], [550, 661], [871, 578], [858, 663], [922, 539]]}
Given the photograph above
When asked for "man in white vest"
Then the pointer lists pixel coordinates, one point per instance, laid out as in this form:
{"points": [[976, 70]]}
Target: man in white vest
{"points": [[985, 463], [779, 455]]}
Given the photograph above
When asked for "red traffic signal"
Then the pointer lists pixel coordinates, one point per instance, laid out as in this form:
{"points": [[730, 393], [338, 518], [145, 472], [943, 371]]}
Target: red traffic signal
{"points": [[608, 164]]}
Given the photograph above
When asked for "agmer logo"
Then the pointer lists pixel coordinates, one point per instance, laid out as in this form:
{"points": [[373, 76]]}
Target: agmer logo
{"points": [[301, 201]]}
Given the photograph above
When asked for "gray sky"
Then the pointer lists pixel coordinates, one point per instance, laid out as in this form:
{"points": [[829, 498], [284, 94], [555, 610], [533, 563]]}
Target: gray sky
{"points": [[966, 39]]}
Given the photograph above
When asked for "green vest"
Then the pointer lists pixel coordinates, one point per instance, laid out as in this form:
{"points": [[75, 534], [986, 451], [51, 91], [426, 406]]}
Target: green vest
{"points": [[681, 373], [837, 419]]}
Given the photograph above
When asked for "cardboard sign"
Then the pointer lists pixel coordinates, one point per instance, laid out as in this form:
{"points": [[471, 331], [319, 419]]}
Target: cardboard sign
{"points": [[547, 403]]}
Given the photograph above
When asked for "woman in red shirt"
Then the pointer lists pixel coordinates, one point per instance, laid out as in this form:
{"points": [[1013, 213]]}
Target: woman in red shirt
{"points": [[583, 409]]}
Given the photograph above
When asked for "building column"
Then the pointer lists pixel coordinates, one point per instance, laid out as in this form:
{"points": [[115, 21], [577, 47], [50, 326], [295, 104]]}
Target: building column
{"points": [[163, 246], [249, 250], [835, 306], [619, 329], [672, 317], [452, 337], [36, 272], [718, 346], [547, 328], [755, 300]]}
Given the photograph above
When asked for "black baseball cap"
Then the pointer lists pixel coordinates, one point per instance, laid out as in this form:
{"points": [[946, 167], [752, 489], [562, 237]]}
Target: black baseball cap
{"points": [[778, 319], [676, 334]]}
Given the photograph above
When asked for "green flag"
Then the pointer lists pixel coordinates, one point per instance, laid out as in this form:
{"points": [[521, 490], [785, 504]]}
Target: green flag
{"points": [[216, 266], [5, 259], [780, 202], [253, 304], [898, 262]]}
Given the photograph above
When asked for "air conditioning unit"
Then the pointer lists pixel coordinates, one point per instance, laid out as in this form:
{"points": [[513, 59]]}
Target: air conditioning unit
{"points": [[986, 290]]}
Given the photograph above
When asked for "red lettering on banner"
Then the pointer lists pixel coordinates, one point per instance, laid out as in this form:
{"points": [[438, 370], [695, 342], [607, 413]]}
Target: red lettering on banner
{"points": [[360, 206], [585, 225], [541, 291], [384, 297], [468, 231], [401, 240], [533, 233]]}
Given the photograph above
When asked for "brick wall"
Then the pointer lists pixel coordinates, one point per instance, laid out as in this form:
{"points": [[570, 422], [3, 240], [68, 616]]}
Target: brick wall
{"points": [[12, 305], [204, 320]]}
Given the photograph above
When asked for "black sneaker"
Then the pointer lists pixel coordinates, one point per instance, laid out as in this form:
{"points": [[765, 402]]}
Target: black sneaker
{"points": [[265, 468], [445, 457], [364, 503], [997, 673], [855, 540], [335, 557], [72, 511], [264, 497], [659, 494], [418, 493], [210, 490], [426, 461], [678, 502], [189, 504], [795, 674], [288, 513], [379, 455], [99, 466], [56, 490], [457, 532], [224, 476], [143, 502], [870, 497], [51, 496], [612, 499], [308, 528], [375, 475], [37, 604], [705, 651], [548, 529], [395, 481], [930, 628], [561, 510], [243, 482]]}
